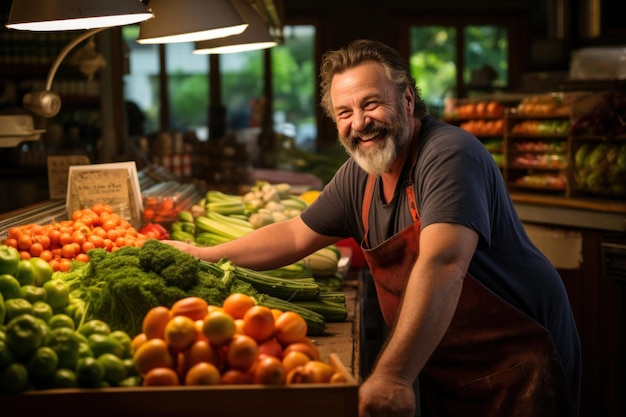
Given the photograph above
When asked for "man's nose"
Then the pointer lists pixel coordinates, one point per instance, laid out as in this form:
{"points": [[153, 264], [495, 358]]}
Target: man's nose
{"points": [[360, 120]]}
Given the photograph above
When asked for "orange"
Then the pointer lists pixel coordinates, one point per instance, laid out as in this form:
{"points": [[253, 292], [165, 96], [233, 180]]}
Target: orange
{"points": [[201, 351], [202, 373], [160, 377], [271, 347], [306, 346], [269, 371], [180, 332], [219, 327], [290, 327], [236, 377], [242, 352], [258, 323], [137, 341], [193, 307], [237, 304], [154, 322], [294, 359], [153, 353]]}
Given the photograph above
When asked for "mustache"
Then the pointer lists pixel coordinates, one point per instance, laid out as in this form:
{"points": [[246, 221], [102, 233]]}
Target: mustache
{"points": [[375, 128]]}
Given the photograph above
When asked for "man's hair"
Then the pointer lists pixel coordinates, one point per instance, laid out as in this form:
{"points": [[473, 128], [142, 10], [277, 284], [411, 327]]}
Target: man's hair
{"points": [[359, 52]]}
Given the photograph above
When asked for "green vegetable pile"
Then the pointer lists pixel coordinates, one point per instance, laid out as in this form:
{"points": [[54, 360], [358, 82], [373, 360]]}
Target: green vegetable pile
{"points": [[120, 287]]}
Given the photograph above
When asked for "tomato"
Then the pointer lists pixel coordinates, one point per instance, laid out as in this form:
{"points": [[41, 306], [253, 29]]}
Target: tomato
{"points": [[236, 377], [294, 359], [271, 347], [57, 293], [9, 258], [193, 307], [306, 346], [24, 335], [155, 230], [201, 351]]}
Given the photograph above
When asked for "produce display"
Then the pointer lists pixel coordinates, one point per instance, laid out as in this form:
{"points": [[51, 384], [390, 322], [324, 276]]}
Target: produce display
{"points": [[93, 326], [239, 342], [600, 168], [60, 243]]}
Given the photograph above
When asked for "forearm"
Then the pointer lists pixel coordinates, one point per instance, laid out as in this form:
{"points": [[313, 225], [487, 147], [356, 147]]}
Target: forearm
{"points": [[268, 247], [429, 303]]}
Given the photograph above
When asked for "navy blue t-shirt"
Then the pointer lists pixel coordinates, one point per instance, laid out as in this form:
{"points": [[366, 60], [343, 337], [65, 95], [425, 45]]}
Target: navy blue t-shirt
{"points": [[457, 181]]}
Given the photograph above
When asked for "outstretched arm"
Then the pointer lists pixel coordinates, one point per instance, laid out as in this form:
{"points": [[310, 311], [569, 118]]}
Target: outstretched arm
{"points": [[268, 247]]}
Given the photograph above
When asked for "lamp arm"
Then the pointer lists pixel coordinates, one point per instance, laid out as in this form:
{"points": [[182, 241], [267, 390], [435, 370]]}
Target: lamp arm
{"points": [[47, 103], [65, 51]]}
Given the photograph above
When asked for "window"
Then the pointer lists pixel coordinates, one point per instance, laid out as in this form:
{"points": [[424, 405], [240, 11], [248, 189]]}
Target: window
{"points": [[444, 70]]}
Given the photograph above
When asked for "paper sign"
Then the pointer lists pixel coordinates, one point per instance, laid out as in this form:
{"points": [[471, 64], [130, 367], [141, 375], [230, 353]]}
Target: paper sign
{"points": [[58, 171], [115, 184]]}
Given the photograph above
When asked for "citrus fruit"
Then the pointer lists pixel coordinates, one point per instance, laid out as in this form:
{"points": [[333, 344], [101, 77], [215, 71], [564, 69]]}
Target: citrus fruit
{"points": [[258, 323], [154, 353], [202, 373], [237, 304], [154, 322], [290, 327], [61, 320], [43, 363], [114, 368], [89, 372], [13, 378], [242, 352], [180, 332], [160, 377], [193, 307], [219, 327], [269, 370]]}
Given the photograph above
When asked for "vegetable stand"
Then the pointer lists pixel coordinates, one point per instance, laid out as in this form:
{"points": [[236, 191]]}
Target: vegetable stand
{"points": [[339, 344]]}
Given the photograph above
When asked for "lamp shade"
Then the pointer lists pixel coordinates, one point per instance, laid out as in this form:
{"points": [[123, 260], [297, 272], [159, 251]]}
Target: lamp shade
{"points": [[256, 36], [55, 15], [190, 20]]}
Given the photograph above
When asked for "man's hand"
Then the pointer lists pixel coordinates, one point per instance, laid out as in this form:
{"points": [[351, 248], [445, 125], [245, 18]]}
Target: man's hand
{"points": [[386, 396]]}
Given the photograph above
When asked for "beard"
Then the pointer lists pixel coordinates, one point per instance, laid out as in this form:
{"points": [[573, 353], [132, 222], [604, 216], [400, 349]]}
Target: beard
{"points": [[379, 158]]}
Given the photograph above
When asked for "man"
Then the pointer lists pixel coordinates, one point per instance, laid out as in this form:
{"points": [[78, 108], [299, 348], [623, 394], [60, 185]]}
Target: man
{"points": [[474, 309]]}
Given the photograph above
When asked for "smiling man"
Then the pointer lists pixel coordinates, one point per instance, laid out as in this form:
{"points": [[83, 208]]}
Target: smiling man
{"points": [[476, 313]]}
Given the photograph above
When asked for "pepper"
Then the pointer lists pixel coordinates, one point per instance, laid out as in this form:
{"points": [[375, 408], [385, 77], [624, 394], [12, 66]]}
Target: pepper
{"points": [[9, 258], [33, 271], [155, 230]]}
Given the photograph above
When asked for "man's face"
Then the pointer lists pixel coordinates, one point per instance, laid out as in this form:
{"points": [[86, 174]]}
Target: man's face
{"points": [[372, 118]]}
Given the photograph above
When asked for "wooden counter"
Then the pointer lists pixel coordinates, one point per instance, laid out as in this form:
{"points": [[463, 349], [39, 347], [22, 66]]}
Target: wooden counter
{"points": [[344, 338]]}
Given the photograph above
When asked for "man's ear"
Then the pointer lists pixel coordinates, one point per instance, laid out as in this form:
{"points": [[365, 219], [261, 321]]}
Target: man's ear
{"points": [[409, 99]]}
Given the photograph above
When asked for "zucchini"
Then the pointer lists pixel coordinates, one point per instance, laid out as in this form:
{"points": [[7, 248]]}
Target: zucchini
{"points": [[316, 323], [331, 311]]}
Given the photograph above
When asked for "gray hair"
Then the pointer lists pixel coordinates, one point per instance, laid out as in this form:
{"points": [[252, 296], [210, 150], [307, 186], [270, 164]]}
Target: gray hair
{"points": [[359, 52]]}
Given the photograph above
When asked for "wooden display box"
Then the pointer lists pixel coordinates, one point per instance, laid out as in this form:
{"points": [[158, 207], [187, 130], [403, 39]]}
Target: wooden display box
{"points": [[302, 400]]}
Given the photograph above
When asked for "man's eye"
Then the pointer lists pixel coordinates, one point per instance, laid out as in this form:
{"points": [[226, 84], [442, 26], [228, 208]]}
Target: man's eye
{"points": [[371, 105]]}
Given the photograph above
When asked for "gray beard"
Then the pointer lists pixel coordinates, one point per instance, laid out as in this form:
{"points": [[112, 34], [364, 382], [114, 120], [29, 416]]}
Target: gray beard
{"points": [[377, 160]]}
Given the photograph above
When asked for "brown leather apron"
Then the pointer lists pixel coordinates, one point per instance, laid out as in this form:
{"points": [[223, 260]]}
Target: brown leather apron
{"points": [[492, 361]]}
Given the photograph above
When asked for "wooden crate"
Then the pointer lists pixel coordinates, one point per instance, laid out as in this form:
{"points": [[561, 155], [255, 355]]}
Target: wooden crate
{"points": [[302, 400]]}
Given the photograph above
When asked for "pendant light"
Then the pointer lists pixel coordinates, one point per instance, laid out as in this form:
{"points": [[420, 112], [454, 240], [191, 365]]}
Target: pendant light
{"points": [[190, 20], [55, 15], [256, 36]]}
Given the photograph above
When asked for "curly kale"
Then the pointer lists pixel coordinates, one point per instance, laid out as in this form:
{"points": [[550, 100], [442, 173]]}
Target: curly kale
{"points": [[210, 288], [178, 269]]}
